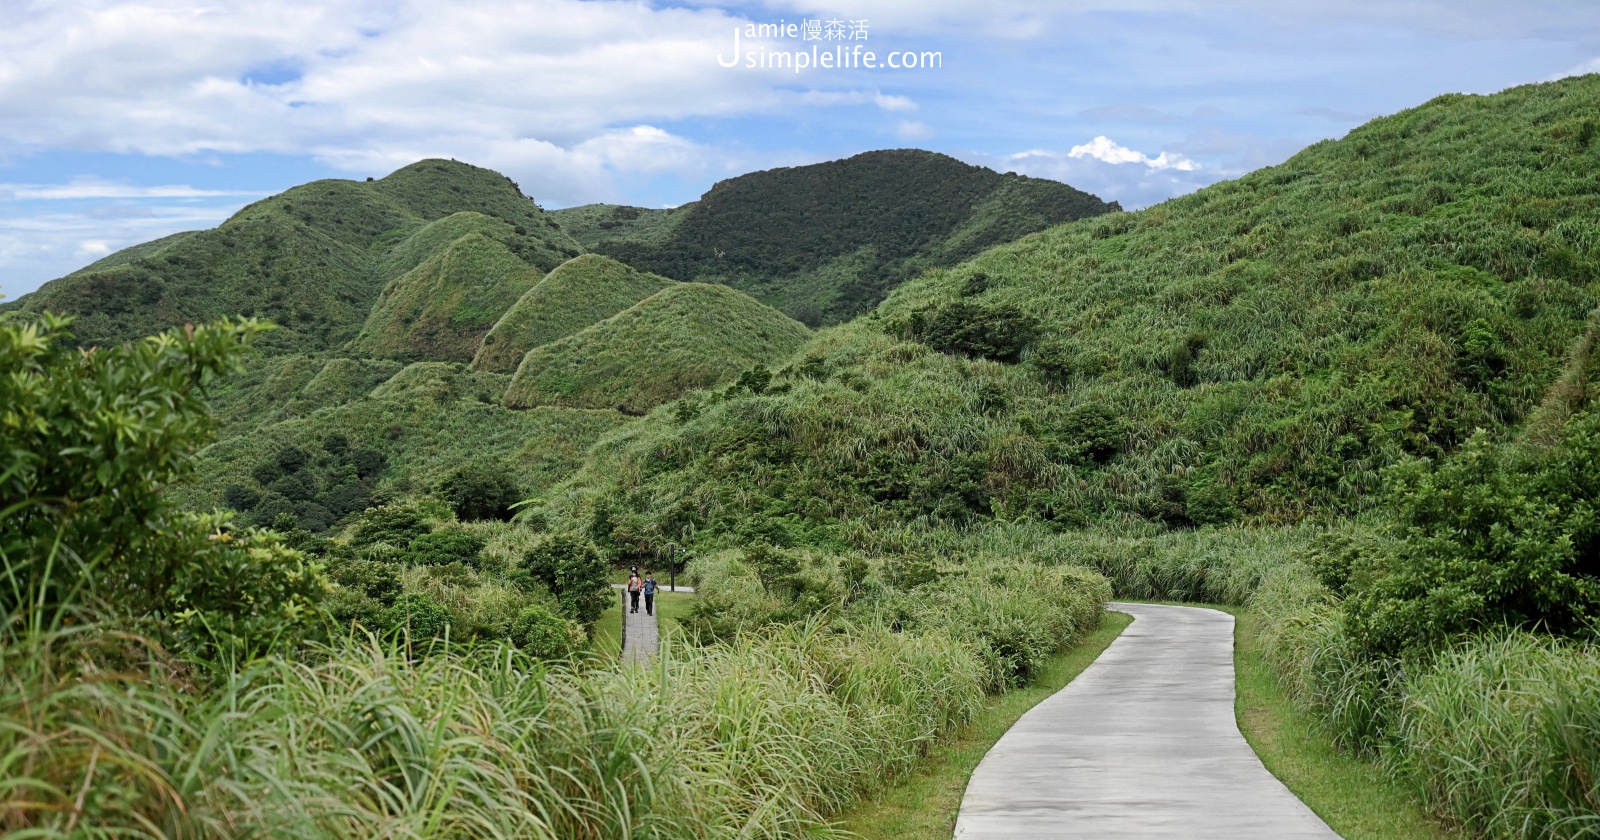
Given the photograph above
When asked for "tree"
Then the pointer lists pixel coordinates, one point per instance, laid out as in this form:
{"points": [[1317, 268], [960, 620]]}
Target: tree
{"points": [[89, 440], [574, 572], [480, 492]]}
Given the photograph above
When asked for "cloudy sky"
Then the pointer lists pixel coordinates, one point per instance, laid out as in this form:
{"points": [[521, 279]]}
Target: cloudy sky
{"points": [[124, 121]]}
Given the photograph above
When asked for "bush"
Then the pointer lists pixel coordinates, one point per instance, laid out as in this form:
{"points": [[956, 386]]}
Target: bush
{"points": [[393, 524], [575, 573], [544, 634], [1495, 536], [442, 548], [480, 492], [375, 580], [88, 443], [417, 615], [964, 328]]}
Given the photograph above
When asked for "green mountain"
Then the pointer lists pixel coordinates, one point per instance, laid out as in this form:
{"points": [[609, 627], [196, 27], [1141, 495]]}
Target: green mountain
{"points": [[441, 309], [582, 291], [826, 242], [1261, 349], [313, 259], [685, 337]]}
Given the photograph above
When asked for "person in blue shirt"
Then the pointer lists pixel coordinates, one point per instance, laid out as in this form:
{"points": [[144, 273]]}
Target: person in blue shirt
{"points": [[649, 592]]}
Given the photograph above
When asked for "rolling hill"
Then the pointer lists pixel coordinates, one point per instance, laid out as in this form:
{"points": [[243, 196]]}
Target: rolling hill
{"points": [[313, 259], [582, 291], [685, 337], [441, 309], [826, 242]]}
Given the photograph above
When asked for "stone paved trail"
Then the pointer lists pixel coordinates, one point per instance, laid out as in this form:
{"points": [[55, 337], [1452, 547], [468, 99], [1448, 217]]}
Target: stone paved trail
{"points": [[639, 636], [1142, 744]]}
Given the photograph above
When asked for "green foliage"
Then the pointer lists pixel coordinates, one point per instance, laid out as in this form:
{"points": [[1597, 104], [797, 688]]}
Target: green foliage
{"points": [[1501, 733], [546, 635], [478, 492], [824, 243], [314, 490], [1493, 536], [443, 547], [578, 294], [1269, 346], [417, 616], [1001, 332], [90, 443], [394, 524], [689, 336], [371, 579], [424, 423], [573, 570]]}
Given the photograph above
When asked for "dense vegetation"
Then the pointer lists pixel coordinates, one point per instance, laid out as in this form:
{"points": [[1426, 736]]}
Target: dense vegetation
{"points": [[441, 309], [419, 681], [827, 242], [1353, 391], [1260, 350]]}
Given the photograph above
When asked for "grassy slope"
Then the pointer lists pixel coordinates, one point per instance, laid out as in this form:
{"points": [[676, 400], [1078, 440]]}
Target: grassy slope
{"points": [[826, 242], [428, 419], [441, 309], [688, 336], [1370, 299], [312, 259], [598, 224], [582, 291]]}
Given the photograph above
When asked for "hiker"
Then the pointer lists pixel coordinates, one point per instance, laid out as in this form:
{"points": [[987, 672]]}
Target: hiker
{"points": [[634, 586], [649, 592]]}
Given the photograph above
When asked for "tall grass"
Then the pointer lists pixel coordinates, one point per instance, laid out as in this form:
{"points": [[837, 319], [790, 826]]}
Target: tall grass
{"points": [[1503, 735], [768, 734]]}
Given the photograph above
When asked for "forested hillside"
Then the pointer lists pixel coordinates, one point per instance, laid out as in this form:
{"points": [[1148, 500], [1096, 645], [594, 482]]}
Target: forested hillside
{"points": [[826, 242], [1260, 350]]}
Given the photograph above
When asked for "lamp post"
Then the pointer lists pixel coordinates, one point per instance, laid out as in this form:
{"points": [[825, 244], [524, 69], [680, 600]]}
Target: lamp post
{"points": [[673, 553]]}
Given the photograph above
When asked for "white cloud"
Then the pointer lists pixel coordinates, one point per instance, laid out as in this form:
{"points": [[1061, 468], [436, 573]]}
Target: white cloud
{"points": [[912, 130], [1584, 69], [87, 187], [94, 247], [1104, 149]]}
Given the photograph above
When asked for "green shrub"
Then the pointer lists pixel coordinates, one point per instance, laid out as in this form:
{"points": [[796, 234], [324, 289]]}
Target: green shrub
{"points": [[999, 332], [375, 580], [479, 492], [546, 635], [574, 572], [88, 443], [444, 547], [1495, 536], [418, 616], [394, 524]]}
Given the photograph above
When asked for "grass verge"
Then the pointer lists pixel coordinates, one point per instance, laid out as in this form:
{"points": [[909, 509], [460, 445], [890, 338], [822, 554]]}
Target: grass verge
{"points": [[1353, 796], [924, 806]]}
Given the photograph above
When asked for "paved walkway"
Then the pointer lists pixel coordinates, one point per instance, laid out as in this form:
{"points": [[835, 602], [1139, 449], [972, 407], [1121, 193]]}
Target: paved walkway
{"points": [[1142, 744], [639, 636]]}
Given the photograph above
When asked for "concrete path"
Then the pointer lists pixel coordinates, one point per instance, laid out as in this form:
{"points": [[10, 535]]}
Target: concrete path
{"points": [[1142, 744], [639, 635]]}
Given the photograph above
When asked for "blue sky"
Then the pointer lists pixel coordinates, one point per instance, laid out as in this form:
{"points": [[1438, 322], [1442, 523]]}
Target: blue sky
{"points": [[121, 122]]}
